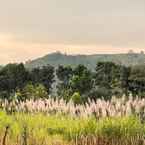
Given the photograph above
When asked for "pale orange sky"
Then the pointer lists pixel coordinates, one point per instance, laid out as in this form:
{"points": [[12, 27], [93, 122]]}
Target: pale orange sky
{"points": [[12, 50], [33, 28]]}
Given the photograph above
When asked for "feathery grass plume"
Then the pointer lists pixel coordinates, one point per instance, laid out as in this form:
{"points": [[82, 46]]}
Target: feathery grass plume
{"points": [[99, 108]]}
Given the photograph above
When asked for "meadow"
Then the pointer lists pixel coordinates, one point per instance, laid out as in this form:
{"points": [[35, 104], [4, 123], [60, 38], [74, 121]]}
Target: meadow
{"points": [[57, 122]]}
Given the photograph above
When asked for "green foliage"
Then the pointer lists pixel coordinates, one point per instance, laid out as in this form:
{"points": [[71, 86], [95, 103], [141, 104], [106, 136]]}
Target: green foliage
{"points": [[14, 77], [43, 75], [111, 79], [81, 80], [120, 127], [64, 75], [37, 127], [65, 94], [100, 92], [76, 98], [137, 80], [106, 74], [78, 79], [89, 61], [31, 91], [108, 79]]}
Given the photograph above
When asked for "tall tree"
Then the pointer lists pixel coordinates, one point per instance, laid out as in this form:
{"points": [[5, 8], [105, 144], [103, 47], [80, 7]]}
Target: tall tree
{"points": [[44, 76], [12, 77], [137, 80], [82, 80], [124, 79], [64, 74]]}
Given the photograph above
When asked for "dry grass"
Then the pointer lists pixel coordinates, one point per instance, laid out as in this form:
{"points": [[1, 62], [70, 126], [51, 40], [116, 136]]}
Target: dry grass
{"points": [[94, 140], [88, 140]]}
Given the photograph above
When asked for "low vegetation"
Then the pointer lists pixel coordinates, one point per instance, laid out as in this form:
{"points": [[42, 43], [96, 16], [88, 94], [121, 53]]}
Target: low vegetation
{"points": [[57, 122], [41, 129], [116, 107]]}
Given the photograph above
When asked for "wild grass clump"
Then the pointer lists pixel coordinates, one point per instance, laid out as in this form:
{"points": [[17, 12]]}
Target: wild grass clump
{"points": [[118, 127]]}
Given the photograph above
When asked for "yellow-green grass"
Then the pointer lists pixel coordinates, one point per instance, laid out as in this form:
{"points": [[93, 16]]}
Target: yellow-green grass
{"points": [[42, 129]]}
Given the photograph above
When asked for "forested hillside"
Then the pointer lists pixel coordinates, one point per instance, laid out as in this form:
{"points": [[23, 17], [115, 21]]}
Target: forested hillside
{"points": [[89, 61]]}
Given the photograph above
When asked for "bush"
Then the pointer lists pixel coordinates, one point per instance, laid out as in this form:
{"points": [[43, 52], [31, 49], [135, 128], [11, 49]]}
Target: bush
{"points": [[76, 98], [31, 91]]}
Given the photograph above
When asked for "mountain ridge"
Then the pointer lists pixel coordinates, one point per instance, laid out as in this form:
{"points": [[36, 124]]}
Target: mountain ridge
{"points": [[90, 60]]}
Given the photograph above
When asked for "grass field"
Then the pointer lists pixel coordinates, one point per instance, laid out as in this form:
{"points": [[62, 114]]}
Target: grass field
{"points": [[55, 122], [42, 129]]}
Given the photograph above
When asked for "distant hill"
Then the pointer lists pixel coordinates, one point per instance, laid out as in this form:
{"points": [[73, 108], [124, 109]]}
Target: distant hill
{"points": [[88, 60]]}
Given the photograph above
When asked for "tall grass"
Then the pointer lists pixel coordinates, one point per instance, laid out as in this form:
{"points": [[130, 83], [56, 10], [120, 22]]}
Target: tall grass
{"points": [[99, 108], [41, 129], [56, 122]]}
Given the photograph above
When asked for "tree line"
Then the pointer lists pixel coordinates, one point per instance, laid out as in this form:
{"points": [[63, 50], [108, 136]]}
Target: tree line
{"points": [[77, 83]]}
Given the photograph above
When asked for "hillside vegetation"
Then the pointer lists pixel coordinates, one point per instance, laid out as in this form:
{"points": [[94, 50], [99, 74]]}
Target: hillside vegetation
{"points": [[55, 122], [88, 60]]}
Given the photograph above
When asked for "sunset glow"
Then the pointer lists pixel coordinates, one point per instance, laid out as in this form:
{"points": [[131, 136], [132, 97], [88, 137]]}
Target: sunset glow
{"points": [[17, 51], [33, 28]]}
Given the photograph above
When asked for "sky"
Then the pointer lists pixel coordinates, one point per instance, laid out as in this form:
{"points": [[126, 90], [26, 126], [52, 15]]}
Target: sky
{"points": [[33, 28]]}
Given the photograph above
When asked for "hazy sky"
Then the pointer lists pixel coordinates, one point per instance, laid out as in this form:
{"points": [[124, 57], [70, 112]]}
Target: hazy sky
{"points": [[32, 28]]}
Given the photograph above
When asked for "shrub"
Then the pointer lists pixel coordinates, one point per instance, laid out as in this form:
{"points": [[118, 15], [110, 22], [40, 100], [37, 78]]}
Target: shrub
{"points": [[31, 91], [76, 98]]}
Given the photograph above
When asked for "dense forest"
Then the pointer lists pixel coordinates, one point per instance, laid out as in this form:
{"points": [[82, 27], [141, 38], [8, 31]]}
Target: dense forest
{"points": [[78, 83]]}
